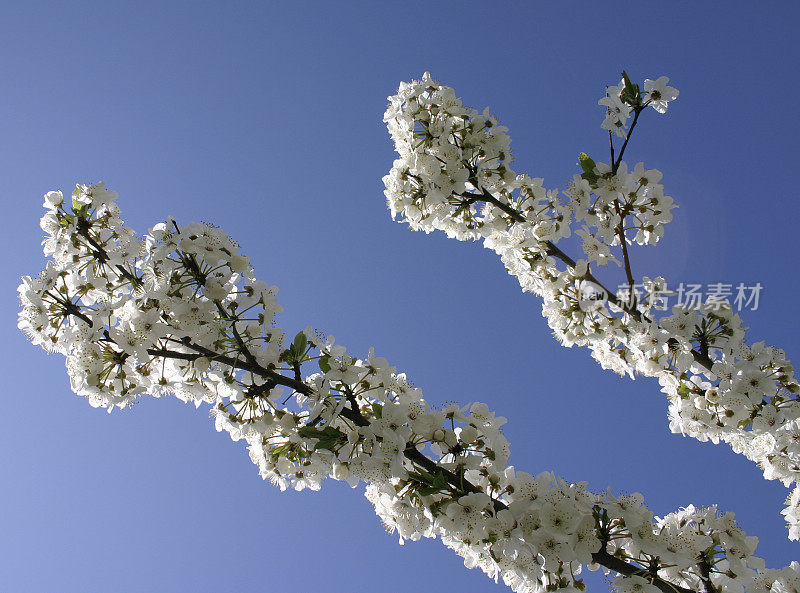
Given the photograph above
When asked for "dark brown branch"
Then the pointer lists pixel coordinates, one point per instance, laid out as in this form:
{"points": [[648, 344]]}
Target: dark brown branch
{"points": [[705, 576], [620, 566], [72, 309]]}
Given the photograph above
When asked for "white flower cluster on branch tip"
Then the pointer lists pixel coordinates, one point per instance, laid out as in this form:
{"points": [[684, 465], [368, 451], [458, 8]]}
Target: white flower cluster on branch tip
{"points": [[454, 175], [180, 313]]}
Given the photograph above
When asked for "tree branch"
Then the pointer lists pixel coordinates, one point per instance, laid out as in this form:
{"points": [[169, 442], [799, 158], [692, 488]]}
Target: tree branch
{"points": [[458, 485], [553, 249]]}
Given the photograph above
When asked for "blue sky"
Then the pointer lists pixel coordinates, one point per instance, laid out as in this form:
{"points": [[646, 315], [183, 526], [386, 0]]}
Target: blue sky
{"points": [[265, 118]]}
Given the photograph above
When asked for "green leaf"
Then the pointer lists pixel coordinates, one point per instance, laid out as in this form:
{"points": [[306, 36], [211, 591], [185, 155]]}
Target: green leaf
{"points": [[327, 444], [628, 83], [280, 450], [422, 477], [308, 432], [80, 210], [588, 165], [631, 93], [325, 364], [300, 343], [332, 433], [377, 409], [327, 437], [286, 356]]}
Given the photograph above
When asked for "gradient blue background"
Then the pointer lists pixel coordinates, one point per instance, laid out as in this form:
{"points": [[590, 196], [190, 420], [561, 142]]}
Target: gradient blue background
{"points": [[265, 118]]}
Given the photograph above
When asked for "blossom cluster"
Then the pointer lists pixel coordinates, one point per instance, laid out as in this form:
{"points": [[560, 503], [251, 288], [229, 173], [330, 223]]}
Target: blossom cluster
{"points": [[180, 313], [453, 174], [620, 102]]}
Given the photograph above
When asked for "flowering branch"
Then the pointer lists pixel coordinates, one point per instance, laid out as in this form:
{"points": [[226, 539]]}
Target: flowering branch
{"points": [[200, 327], [553, 250], [720, 388]]}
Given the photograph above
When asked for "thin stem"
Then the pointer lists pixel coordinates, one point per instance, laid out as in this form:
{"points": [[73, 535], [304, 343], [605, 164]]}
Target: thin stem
{"points": [[616, 164], [624, 243], [102, 255], [611, 144]]}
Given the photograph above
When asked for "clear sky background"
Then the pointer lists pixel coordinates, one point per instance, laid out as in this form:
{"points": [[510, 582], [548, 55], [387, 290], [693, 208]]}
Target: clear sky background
{"points": [[265, 118]]}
